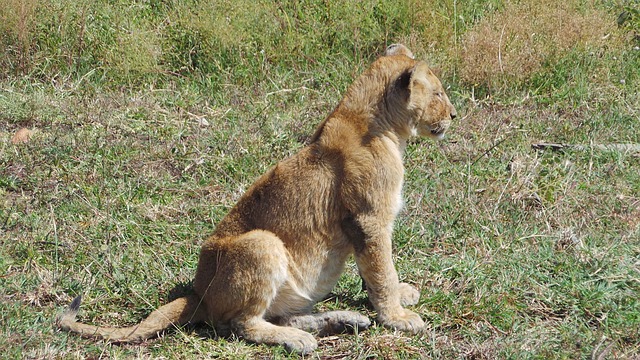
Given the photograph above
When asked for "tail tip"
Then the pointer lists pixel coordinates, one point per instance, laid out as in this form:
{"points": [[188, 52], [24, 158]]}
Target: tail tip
{"points": [[68, 316], [75, 304]]}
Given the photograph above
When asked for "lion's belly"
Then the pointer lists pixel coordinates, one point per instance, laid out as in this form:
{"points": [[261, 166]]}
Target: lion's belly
{"points": [[307, 283]]}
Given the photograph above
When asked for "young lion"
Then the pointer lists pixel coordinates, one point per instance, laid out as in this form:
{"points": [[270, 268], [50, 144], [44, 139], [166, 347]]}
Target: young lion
{"points": [[283, 246]]}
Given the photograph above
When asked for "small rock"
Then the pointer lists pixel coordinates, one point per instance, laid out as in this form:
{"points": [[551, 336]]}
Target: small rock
{"points": [[21, 136]]}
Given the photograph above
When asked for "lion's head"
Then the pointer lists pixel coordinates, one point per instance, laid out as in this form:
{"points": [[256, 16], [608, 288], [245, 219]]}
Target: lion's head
{"points": [[430, 111]]}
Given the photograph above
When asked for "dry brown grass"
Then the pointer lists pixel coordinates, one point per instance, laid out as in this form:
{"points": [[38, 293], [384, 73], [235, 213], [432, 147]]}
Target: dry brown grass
{"points": [[516, 42], [17, 20]]}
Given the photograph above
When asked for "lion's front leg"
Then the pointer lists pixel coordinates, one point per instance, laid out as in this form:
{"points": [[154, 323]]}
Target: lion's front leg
{"points": [[386, 293]]}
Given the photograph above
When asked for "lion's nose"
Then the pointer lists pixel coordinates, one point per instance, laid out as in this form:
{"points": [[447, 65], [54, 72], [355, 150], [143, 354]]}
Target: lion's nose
{"points": [[453, 114]]}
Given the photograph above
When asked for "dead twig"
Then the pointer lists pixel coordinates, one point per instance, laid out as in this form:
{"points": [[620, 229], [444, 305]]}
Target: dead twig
{"points": [[601, 147], [489, 150]]}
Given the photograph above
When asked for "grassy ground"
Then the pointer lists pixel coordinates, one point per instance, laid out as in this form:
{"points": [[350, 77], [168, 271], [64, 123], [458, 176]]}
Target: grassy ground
{"points": [[149, 120]]}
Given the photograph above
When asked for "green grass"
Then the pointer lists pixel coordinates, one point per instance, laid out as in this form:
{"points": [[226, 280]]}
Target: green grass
{"points": [[138, 152]]}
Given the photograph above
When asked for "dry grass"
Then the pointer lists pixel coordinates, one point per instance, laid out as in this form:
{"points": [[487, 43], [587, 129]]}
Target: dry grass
{"points": [[17, 19], [515, 43]]}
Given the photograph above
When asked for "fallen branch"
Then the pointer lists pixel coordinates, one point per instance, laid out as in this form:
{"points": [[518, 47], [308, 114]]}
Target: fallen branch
{"points": [[601, 147]]}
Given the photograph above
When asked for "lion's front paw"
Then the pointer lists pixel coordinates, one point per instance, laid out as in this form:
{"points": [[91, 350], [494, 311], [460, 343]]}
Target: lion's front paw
{"points": [[403, 320], [408, 294], [345, 321]]}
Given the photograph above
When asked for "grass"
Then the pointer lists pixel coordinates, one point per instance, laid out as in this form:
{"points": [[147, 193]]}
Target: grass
{"points": [[138, 152]]}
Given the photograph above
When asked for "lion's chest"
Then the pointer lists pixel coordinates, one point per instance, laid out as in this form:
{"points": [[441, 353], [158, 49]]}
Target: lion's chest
{"points": [[391, 175]]}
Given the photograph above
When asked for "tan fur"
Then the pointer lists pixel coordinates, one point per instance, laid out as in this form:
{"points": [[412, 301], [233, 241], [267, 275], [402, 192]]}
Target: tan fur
{"points": [[283, 246]]}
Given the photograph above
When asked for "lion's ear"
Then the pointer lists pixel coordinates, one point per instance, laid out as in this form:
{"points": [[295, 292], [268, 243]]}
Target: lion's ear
{"points": [[413, 76], [420, 72], [398, 49], [418, 83], [413, 81]]}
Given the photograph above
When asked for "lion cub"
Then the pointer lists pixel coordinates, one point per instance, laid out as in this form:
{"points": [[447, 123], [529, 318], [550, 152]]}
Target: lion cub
{"points": [[283, 246]]}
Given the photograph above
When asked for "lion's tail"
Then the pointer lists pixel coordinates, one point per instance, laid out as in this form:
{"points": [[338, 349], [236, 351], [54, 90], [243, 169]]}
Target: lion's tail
{"points": [[182, 311]]}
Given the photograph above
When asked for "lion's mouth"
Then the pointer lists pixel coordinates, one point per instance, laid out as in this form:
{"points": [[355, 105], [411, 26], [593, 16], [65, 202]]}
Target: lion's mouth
{"points": [[437, 132], [434, 131]]}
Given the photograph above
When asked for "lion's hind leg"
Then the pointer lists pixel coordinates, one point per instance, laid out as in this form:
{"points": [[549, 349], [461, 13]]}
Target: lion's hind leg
{"points": [[239, 279], [260, 331]]}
